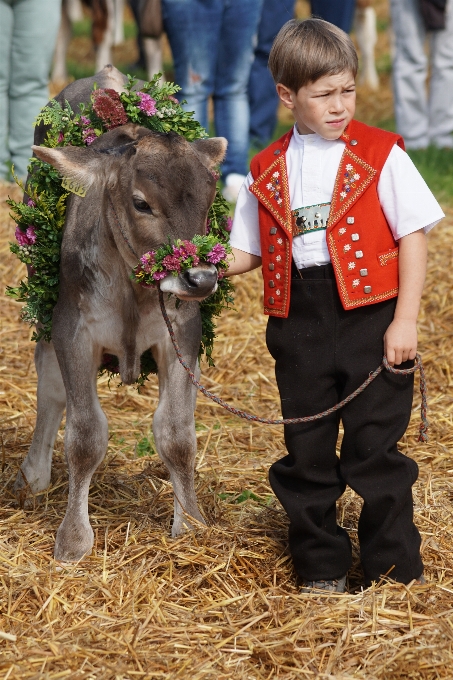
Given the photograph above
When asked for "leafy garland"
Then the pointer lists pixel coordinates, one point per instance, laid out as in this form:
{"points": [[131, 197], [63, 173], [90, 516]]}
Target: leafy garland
{"points": [[40, 220]]}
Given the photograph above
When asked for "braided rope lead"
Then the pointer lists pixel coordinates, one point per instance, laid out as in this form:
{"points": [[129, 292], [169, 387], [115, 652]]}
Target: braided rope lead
{"points": [[423, 437]]}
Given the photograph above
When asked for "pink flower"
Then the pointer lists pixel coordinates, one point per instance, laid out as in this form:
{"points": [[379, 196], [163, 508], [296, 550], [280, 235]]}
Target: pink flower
{"points": [[60, 138], [85, 120], [147, 104], [157, 276], [228, 224], [31, 203], [88, 136], [172, 263], [190, 247], [173, 99], [148, 261], [217, 253], [27, 237]]}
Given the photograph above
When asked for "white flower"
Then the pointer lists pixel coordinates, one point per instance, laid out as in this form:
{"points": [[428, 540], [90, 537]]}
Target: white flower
{"points": [[349, 167], [355, 283], [351, 265], [347, 247], [278, 258], [278, 276], [277, 291], [356, 176], [269, 186], [280, 241], [276, 174], [343, 194], [342, 231], [279, 201]]}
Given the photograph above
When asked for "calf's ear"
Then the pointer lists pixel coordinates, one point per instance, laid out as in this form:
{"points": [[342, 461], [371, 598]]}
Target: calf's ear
{"points": [[81, 166], [211, 151]]}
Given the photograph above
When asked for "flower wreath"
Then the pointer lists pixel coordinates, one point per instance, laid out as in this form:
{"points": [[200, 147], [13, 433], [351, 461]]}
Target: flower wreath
{"points": [[40, 220]]}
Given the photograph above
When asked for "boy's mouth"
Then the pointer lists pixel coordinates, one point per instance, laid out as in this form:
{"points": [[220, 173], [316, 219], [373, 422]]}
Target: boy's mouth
{"points": [[336, 123]]}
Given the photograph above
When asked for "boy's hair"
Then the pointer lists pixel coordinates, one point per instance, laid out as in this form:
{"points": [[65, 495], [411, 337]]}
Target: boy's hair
{"points": [[304, 51]]}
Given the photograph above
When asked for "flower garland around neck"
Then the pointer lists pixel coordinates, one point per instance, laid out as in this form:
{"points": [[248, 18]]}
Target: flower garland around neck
{"points": [[40, 218]]}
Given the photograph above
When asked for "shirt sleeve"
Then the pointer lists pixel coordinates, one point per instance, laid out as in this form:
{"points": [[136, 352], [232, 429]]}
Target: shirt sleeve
{"points": [[245, 232], [405, 198]]}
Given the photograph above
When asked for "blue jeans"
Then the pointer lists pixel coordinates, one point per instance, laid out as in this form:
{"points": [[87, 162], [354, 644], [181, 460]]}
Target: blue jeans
{"points": [[338, 12], [263, 96], [28, 32], [212, 44]]}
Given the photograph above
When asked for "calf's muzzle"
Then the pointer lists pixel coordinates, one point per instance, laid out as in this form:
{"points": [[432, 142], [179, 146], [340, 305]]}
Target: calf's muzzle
{"points": [[196, 283]]}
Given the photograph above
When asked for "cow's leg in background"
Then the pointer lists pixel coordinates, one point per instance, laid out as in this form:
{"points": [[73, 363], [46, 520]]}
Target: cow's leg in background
{"points": [[152, 48], [174, 422], [366, 35], [86, 432], [59, 70], [34, 474]]}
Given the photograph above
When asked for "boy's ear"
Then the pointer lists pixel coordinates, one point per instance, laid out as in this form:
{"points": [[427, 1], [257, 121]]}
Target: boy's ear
{"points": [[285, 95]]}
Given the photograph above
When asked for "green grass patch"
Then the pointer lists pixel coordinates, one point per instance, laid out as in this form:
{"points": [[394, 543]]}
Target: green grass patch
{"points": [[145, 447], [436, 167]]}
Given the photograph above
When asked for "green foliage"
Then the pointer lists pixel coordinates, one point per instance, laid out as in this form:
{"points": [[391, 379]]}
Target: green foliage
{"points": [[436, 167], [41, 218], [145, 447], [243, 496]]}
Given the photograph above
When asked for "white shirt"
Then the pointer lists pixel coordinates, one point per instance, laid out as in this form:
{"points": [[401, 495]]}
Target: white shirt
{"points": [[312, 164]]}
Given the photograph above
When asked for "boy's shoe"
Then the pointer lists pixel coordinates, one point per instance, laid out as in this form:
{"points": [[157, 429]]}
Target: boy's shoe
{"points": [[233, 183], [333, 586]]}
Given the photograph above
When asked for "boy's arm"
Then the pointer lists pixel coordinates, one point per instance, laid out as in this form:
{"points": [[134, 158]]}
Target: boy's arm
{"points": [[241, 262], [400, 339]]}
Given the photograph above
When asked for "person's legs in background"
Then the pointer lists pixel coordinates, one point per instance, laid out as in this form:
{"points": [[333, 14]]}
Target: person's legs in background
{"points": [[34, 34], [263, 99], [193, 29], [441, 84], [6, 31], [231, 106], [410, 66], [338, 12]]}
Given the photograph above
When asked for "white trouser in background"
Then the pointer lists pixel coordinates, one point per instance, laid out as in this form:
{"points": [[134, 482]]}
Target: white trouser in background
{"points": [[424, 112]]}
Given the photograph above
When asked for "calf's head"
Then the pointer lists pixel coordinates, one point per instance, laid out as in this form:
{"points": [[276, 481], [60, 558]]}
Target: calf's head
{"points": [[150, 187]]}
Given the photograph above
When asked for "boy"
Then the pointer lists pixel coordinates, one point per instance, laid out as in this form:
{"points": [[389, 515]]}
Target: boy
{"points": [[336, 214]]}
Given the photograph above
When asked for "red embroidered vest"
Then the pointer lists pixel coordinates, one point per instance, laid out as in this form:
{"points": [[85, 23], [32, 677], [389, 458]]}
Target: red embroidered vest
{"points": [[362, 249]]}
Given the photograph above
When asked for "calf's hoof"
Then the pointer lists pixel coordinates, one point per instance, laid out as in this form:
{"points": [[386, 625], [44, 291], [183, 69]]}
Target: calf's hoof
{"points": [[73, 542], [183, 522], [26, 493]]}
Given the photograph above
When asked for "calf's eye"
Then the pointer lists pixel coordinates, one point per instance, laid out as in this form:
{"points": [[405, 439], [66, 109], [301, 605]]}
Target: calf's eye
{"points": [[141, 205]]}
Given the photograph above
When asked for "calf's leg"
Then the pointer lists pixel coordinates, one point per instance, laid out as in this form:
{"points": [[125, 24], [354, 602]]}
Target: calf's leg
{"points": [[35, 471], [86, 439], [174, 422]]}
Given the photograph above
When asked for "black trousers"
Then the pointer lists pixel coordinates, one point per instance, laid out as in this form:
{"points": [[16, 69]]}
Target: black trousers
{"points": [[323, 353]]}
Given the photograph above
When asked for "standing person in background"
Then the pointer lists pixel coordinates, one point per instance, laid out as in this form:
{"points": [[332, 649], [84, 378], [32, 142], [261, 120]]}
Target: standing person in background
{"points": [[212, 45], [337, 12], [28, 33], [263, 97], [420, 118]]}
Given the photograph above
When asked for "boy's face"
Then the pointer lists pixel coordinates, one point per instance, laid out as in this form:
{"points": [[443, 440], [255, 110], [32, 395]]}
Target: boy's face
{"points": [[325, 106]]}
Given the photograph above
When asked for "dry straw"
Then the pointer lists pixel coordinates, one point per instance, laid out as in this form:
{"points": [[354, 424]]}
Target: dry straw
{"points": [[219, 602]]}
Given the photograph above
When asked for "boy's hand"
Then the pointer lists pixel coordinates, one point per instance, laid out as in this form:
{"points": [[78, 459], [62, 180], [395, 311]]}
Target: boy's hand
{"points": [[400, 341]]}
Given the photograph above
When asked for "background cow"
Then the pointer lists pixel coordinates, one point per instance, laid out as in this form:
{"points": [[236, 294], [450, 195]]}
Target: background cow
{"points": [[107, 31], [142, 189]]}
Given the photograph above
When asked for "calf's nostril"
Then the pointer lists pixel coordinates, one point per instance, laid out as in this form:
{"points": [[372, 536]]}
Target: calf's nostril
{"points": [[196, 278]]}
